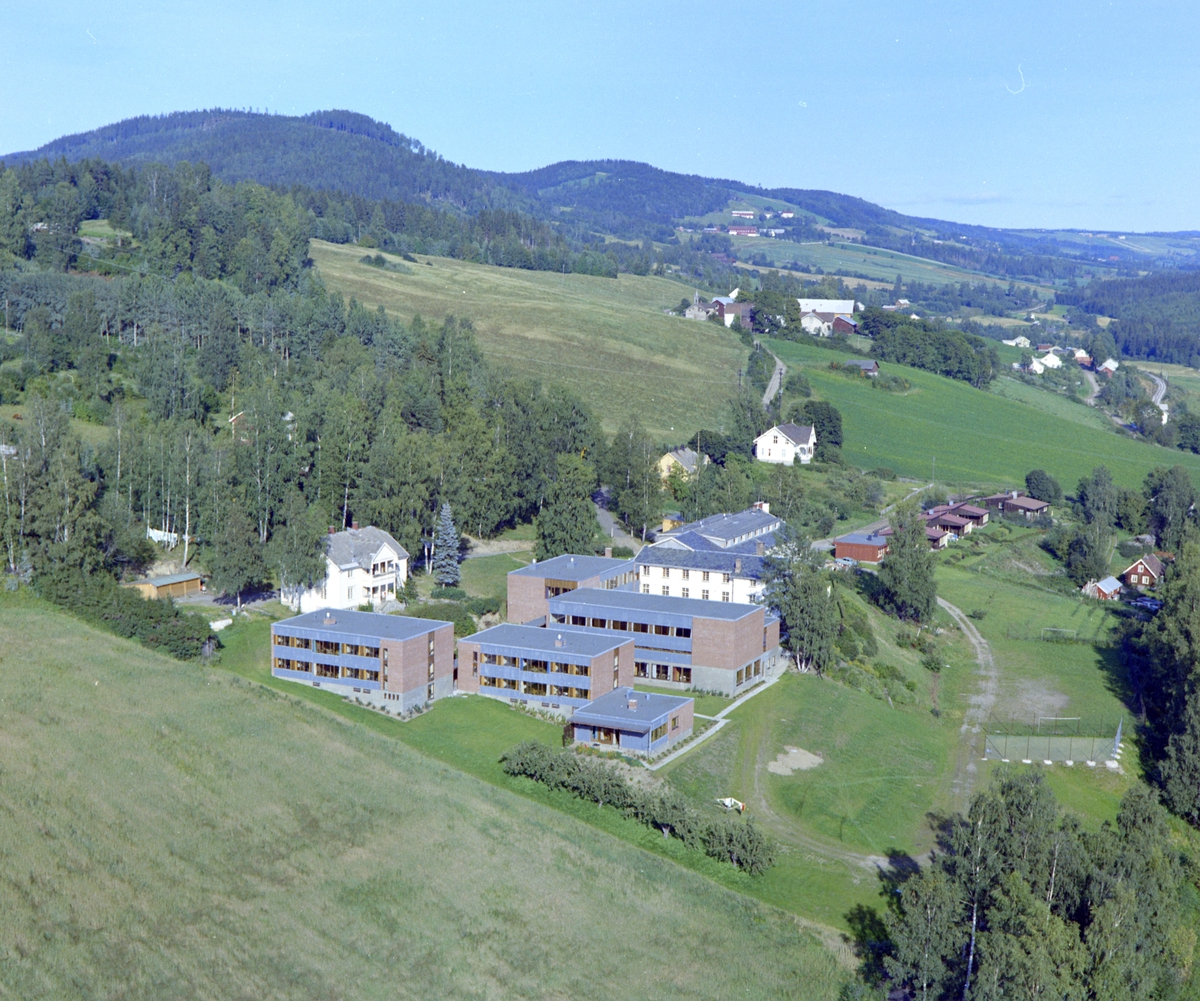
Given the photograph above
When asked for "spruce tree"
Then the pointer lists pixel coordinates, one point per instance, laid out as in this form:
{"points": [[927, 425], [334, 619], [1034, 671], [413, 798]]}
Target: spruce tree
{"points": [[567, 524], [445, 550], [908, 587]]}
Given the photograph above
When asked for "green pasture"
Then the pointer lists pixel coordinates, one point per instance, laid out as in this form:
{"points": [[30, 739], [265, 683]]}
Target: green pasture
{"points": [[1049, 402], [607, 339], [173, 831], [977, 438]]}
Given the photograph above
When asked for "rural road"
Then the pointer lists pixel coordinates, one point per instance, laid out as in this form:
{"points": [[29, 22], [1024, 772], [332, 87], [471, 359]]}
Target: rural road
{"points": [[1160, 390], [980, 708], [776, 380], [1090, 399], [612, 528]]}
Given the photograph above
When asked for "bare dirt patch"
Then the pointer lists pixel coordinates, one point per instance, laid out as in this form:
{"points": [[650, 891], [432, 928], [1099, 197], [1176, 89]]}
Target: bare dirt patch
{"points": [[794, 759]]}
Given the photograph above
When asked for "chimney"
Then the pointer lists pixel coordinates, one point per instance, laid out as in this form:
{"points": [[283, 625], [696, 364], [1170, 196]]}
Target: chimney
{"points": [[608, 552], [330, 620], [759, 549], [763, 506], [354, 525], [558, 640], [572, 560], [737, 565], [631, 704]]}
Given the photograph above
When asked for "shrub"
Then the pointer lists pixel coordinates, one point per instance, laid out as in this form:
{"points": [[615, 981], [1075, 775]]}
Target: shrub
{"points": [[98, 599], [483, 606], [449, 594], [447, 611], [739, 843], [622, 553]]}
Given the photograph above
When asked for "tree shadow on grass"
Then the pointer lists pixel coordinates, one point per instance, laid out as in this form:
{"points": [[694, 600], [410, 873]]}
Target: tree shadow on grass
{"points": [[868, 926]]}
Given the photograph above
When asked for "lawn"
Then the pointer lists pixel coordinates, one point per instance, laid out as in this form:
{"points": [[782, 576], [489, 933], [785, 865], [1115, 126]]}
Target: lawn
{"points": [[607, 339], [487, 576], [171, 831], [976, 438], [1051, 403]]}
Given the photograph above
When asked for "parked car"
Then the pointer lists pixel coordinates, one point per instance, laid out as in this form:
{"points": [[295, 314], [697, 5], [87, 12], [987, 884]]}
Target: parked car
{"points": [[845, 563]]}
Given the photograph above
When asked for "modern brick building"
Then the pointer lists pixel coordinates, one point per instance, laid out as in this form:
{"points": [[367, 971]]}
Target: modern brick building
{"points": [[548, 668], [391, 661], [714, 646], [531, 587], [643, 723], [865, 547]]}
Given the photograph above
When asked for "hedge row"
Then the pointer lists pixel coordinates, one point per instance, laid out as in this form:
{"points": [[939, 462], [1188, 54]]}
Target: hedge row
{"points": [[99, 600], [734, 841]]}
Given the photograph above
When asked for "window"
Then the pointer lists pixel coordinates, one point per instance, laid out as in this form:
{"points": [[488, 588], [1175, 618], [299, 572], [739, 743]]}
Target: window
{"points": [[641, 627], [724, 595], [641, 669], [704, 595], [666, 590], [726, 578], [579, 620], [599, 623], [536, 666], [533, 688], [559, 619], [658, 733], [704, 576], [683, 675], [645, 589], [683, 632], [349, 593], [741, 676], [328, 671], [645, 571], [774, 439], [687, 574], [620, 626], [674, 722], [662, 672], [685, 593], [662, 630], [666, 572], [325, 647], [491, 658]]}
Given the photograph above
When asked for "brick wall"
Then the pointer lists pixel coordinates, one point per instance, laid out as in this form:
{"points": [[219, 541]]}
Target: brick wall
{"points": [[727, 645], [526, 598]]}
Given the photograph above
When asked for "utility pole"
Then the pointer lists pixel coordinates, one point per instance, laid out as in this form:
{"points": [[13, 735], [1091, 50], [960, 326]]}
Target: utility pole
{"points": [[935, 470]]}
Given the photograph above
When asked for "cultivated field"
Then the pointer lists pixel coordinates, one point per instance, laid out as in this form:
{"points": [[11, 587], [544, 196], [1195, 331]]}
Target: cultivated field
{"points": [[170, 831], [608, 339], [977, 438]]}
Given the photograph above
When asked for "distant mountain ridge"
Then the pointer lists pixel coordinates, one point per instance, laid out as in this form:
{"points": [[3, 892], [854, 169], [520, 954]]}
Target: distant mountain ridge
{"points": [[352, 153]]}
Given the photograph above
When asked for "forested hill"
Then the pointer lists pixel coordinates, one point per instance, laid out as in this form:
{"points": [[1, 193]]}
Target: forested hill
{"points": [[351, 153], [338, 150]]}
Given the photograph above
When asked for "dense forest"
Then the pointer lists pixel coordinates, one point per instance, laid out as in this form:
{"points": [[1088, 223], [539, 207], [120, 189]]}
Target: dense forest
{"points": [[931, 346], [351, 154], [1157, 317]]}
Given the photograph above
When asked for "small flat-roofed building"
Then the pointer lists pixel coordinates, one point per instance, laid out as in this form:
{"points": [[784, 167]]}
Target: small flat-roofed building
{"points": [[643, 723], [175, 585], [555, 668], [390, 661], [865, 547], [742, 532], [709, 643], [529, 588], [684, 573]]}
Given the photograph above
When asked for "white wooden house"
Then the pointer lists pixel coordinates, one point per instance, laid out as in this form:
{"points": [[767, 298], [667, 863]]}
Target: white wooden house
{"points": [[786, 443], [363, 566]]}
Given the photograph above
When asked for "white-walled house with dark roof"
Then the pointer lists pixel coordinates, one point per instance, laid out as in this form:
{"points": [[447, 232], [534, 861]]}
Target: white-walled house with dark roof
{"points": [[363, 566], [786, 444]]}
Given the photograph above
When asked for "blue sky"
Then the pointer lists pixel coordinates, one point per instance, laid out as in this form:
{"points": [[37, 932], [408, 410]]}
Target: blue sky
{"points": [[1010, 114]]}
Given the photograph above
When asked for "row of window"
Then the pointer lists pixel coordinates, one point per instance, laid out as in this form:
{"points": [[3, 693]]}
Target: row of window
{"points": [[662, 672], [326, 670], [535, 688], [327, 646], [750, 671], [536, 666], [685, 592], [620, 625], [665, 572]]}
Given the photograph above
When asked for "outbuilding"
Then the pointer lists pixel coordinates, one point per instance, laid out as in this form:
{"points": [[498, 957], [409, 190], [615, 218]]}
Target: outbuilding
{"points": [[866, 547], [642, 723], [175, 585]]}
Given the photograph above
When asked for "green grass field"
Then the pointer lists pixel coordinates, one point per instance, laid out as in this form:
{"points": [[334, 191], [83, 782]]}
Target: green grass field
{"points": [[608, 339], [977, 438], [1054, 404], [487, 576], [172, 831]]}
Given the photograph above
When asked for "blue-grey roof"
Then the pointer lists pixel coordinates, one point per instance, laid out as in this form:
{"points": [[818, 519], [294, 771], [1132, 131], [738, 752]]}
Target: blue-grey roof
{"points": [[586, 642], [725, 530], [713, 560], [699, 544], [359, 546], [635, 601], [863, 539], [174, 578], [386, 627], [1110, 583], [569, 567], [613, 709], [861, 362]]}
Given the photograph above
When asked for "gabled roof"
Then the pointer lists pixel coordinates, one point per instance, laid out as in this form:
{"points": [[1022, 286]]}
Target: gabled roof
{"points": [[867, 364], [1149, 561], [1109, 583], [827, 306], [686, 457], [357, 547], [175, 578], [797, 434]]}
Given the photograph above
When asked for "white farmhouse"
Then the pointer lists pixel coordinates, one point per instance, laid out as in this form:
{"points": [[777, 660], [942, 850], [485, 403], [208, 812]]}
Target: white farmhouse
{"points": [[785, 443], [363, 566]]}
